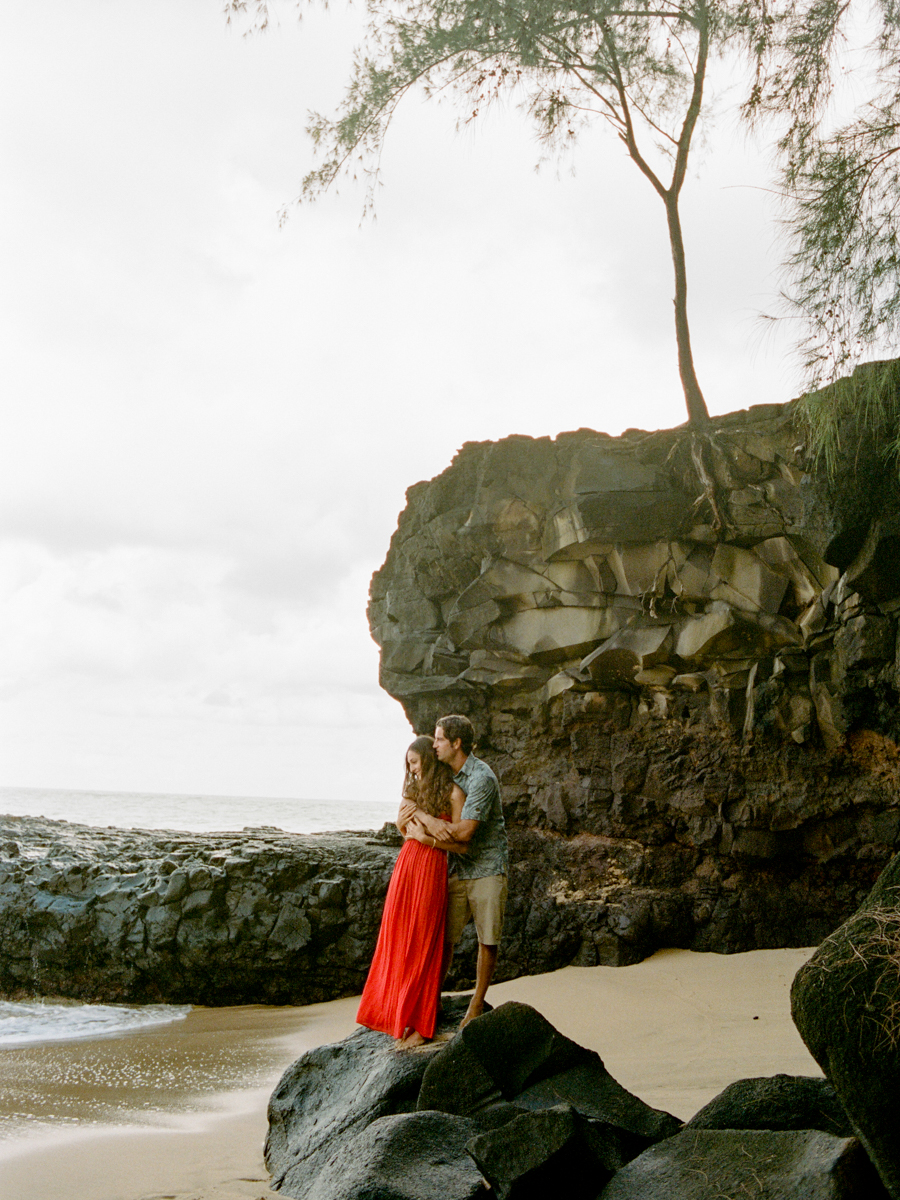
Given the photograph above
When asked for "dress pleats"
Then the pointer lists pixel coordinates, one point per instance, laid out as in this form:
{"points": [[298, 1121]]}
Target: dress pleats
{"points": [[403, 987]]}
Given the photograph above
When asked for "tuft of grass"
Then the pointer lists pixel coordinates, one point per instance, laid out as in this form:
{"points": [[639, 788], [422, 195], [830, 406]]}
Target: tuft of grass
{"points": [[865, 406], [872, 939]]}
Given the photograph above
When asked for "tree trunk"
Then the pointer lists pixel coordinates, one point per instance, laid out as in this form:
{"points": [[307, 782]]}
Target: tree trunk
{"points": [[698, 413]]}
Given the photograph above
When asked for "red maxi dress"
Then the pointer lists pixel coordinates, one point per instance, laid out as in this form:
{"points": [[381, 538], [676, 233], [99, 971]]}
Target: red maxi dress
{"points": [[404, 983]]}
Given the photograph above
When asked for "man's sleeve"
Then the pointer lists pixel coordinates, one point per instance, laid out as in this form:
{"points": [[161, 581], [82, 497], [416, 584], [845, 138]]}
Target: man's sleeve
{"points": [[479, 800]]}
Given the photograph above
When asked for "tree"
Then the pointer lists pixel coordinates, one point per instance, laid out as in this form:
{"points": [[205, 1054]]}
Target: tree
{"points": [[639, 65], [840, 175]]}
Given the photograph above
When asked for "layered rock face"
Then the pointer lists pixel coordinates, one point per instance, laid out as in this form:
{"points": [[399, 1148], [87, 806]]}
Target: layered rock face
{"points": [[680, 655], [257, 916]]}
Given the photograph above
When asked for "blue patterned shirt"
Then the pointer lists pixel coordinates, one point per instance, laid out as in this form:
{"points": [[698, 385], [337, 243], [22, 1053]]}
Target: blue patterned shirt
{"points": [[488, 850]]}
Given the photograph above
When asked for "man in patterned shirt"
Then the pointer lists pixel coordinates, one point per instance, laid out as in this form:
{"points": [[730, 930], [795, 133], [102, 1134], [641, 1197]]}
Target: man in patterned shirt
{"points": [[477, 885]]}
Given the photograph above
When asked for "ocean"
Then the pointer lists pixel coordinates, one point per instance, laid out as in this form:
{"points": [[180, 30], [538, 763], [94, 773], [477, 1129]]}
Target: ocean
{"points": [[196, 814], [40, 1021]]}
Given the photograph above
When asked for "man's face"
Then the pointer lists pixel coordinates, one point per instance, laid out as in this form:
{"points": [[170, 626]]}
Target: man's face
{"points": [[443, 748]]}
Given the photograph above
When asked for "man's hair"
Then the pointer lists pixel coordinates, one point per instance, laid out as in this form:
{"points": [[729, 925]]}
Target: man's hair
{"points": [[459, 727]]}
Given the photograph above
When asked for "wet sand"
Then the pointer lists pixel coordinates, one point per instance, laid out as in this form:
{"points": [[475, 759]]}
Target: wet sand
{"points": [[179, 1111]]}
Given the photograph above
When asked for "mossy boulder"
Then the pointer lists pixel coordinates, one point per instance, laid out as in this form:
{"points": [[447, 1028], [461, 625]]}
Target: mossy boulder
{"points": [[846, 1004]]}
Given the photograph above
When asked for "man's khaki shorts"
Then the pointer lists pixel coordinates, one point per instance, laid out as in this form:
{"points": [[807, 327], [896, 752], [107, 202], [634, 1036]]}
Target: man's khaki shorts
{"points": [[482, 899]]}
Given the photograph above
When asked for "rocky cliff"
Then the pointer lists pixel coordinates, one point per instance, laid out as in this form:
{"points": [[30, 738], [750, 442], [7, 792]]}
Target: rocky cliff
{"points": [[681, 657]]}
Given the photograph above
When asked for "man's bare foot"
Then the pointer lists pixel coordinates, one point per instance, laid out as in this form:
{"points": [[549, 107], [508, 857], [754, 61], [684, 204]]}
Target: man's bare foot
{"points": [[475, 1009]]}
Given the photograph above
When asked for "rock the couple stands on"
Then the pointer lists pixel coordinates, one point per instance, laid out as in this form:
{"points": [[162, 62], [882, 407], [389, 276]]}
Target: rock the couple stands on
{"points": [[451, 810]]}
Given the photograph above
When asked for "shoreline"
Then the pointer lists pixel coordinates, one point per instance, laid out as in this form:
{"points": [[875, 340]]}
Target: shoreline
{"points": [[674, 1029]]}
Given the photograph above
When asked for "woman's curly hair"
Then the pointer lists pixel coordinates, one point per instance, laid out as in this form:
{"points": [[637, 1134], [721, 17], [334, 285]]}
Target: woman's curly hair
{"points": [[431, 791]]}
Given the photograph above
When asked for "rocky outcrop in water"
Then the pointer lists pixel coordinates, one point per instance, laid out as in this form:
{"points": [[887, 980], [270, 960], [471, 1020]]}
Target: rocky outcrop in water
{"points": [[681, 658], [257, 916], [250, 917]]}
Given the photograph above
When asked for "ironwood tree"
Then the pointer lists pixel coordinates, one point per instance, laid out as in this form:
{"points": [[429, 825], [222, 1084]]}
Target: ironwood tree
{"points": [[839, 150], [641, 67]]}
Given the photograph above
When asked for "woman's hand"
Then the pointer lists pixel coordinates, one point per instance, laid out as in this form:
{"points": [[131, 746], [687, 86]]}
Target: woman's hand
{"points": [[416, 832], [405, 815]]}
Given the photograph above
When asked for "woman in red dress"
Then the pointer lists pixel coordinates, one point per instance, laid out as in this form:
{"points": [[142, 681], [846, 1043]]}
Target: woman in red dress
{"points": [[403, 988]]}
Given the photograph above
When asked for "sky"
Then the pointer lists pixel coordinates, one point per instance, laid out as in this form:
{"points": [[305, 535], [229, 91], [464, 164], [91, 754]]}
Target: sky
{"points": [[210, 421]]}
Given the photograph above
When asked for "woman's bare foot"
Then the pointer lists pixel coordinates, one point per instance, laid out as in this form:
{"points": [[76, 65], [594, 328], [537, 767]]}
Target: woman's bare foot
{"points": [[411, 1041]]}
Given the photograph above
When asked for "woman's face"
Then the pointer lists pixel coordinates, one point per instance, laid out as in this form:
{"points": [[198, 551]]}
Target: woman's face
{"points": [[414, 763]]}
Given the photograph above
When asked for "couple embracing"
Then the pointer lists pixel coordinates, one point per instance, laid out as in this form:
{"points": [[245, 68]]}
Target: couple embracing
{"points": [[450, 816]]}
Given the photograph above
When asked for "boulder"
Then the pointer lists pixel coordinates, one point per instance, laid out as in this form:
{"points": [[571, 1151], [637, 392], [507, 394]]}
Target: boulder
{"points": [[552, 1150], [410, 1156], [327, 1098], [515, 1054], [590, 1089], [712, 1164], [356, 1120], [845, 1002], [496, 1056], [776, 1102]]}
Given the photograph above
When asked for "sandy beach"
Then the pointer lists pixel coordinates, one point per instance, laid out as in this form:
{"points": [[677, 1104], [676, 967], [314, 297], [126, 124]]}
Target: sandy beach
{"points": [[178, 1112]]}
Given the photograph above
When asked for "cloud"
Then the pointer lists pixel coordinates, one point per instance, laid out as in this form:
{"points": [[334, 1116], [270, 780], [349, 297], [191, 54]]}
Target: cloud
{"points": [[211, 422]]}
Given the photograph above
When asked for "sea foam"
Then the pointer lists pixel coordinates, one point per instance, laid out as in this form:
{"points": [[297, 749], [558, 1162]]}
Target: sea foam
{"points": [[31, 1022]]}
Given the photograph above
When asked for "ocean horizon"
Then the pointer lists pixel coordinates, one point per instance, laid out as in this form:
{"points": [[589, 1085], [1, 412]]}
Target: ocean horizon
{"points": [[195, 813]]}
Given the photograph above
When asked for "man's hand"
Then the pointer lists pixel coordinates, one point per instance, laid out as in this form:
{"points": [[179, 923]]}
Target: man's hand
{"points": [[435, 827], [416, 832], [407, 811]]}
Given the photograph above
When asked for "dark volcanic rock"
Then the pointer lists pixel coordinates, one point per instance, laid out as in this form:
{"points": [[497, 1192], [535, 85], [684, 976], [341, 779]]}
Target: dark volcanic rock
{"points": [[709, 1164], [257, 916], [516, 1055], [343, 1109], [695, 728], [553, 1151], [776, 1102], [592, 1091], [414, 1156], [327, 1098], [846, 1003], [514, 1045]]}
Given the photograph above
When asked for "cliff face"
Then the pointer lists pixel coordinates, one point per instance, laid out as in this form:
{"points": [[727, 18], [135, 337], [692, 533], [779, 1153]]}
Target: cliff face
{"points": [[681, 657]]}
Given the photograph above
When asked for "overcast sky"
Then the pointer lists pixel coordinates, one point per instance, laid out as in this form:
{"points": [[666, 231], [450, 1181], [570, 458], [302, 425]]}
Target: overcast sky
{"points": [[209, 422]]}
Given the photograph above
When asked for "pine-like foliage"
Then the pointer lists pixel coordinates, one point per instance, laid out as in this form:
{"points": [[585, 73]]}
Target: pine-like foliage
{"points": [[840, 175], [639, 66]]}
